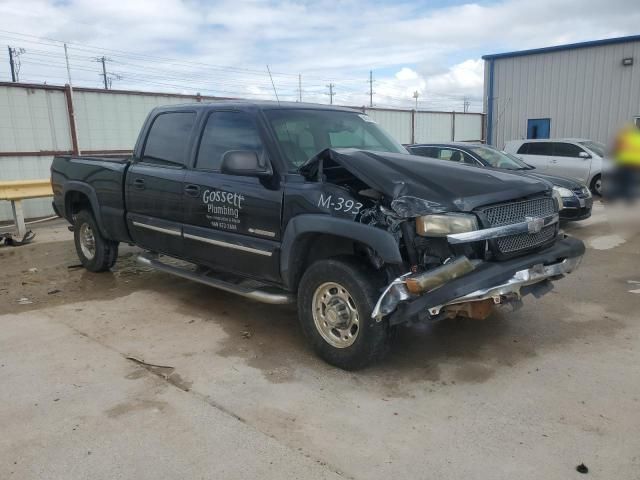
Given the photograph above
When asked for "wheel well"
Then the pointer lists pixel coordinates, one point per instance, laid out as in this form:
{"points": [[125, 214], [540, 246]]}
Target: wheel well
{"points": [[312, 247], [74, 202]]}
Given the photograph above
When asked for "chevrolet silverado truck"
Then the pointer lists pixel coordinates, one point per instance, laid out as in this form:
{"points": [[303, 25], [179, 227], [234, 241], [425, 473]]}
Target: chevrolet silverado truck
{"points": [[291, 202]]}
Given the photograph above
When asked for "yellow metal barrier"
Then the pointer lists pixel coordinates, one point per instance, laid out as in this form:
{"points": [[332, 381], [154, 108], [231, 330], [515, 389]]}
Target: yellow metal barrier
{"points": [[16, 191]]}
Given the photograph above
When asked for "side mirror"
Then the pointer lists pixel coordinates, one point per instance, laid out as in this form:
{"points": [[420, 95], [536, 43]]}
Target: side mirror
{"points": [[244, 163], [584, 155]]}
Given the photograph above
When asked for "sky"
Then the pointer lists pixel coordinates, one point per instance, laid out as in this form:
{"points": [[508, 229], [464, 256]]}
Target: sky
{"points": [[223, 47]]}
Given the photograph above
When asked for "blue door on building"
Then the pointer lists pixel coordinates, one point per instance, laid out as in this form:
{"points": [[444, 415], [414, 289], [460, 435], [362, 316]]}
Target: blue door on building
{"points": [[538, 127]]}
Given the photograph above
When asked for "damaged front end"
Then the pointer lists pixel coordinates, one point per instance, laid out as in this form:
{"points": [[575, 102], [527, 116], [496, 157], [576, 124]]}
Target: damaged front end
{"points": [[468, 241], [477, 303], [459, 268]]}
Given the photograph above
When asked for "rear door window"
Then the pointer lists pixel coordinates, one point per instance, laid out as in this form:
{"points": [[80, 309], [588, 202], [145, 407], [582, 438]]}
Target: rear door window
{"points": [[540, 148], [168, 139], [425, 151]]}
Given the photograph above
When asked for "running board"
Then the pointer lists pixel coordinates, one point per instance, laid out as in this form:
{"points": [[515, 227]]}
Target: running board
{"points": [[247, 291]]}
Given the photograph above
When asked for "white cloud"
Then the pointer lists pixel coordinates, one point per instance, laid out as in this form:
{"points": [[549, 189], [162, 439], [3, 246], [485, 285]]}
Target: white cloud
{"points": [[409, 46]]}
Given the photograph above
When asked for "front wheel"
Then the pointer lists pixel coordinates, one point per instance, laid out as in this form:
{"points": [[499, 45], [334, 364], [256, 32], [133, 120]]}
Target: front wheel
{"points": [[335, 301], [95, 252], [596, 185]]}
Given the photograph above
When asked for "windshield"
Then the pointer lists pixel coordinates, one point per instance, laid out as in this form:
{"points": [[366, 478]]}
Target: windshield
{"points": [[596, 147], [498, 159], [302, 134]]}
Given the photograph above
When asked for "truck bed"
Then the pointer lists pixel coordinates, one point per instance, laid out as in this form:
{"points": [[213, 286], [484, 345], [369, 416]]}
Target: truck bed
{"points": [[101, 180]]}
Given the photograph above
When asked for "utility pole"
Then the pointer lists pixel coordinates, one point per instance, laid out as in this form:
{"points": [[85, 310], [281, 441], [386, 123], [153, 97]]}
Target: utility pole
{"points": [[416, 94], [72, 114], [13, 67], [103, 60], [331, 93], [14, 62], [371, 88], [465, 105], [300, 87], [66, 58]]}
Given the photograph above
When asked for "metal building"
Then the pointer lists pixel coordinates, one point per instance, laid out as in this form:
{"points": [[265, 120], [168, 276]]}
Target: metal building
{"points": [[585, 90]]}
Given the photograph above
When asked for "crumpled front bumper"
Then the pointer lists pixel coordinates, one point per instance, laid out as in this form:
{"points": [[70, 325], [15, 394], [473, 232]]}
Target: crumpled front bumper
{"points": [[510, 278]]}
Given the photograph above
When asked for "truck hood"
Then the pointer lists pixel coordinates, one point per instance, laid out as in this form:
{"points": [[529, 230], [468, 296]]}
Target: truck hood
{"points": [[449, 186]]}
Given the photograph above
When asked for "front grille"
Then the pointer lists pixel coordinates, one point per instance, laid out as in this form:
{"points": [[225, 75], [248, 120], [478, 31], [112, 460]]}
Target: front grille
{"points": [[525, 241], [517, 212]]}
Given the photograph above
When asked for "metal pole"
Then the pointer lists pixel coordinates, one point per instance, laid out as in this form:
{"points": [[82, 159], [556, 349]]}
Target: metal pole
{"points": [[300, 87], [66, 57], [104, 72], [72, 115], [331, 94], [13, 68], [371, 88]]}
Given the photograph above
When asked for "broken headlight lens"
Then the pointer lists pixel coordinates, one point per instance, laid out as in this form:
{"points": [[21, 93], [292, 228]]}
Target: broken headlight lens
{"points": [[443, 225]]}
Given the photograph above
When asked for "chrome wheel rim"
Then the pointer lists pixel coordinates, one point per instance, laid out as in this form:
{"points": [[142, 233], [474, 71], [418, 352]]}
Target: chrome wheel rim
{"points": [[335, 315], [87, 241]]}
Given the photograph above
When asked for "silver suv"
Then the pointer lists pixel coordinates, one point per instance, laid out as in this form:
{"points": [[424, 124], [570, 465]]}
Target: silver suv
{"points": [[576, 158]]}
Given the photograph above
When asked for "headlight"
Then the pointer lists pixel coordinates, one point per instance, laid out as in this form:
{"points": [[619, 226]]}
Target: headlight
{"points": [[564, 192], [443, 225], [558, 197]]}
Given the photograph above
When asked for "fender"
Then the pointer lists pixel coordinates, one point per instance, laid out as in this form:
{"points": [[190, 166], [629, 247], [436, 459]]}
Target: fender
{"points": [[88, 190], [379, 240]]}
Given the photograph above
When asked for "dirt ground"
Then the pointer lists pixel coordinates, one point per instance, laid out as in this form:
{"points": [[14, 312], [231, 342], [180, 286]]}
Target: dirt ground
{"points": [[234, 392]]}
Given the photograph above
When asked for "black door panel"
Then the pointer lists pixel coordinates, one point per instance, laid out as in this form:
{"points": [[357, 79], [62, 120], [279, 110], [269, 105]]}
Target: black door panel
{"points": [[155, 183], [161, 201], [236, 210]]}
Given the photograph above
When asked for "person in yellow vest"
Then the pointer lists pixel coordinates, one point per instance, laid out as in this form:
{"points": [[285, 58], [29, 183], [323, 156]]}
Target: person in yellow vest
{"points": [[626, 159], [627, 147]]}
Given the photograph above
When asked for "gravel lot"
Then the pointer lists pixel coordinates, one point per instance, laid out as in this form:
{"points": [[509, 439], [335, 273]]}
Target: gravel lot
{"points": [[236, 393]]}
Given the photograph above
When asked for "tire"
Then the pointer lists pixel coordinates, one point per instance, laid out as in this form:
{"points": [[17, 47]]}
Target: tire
{"points": [[596, 185], [99, 255], [347, 289]]}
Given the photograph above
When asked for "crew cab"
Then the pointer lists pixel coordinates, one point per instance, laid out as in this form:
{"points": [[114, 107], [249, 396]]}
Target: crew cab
{"points": [[317, 205]]}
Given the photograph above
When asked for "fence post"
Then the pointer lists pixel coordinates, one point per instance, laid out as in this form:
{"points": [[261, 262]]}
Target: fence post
{"points": [[72, 120], [413, 126], [453, 126]]}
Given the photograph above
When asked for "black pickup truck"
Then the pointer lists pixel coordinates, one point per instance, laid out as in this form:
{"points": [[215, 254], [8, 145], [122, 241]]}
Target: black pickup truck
{"points": [[316, 204]]}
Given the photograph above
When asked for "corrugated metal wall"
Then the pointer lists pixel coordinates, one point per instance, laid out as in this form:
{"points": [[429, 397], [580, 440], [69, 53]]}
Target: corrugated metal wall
{"points": [[586, 92], [31, 120], [396, 122], [35, 119], [112, 121]]}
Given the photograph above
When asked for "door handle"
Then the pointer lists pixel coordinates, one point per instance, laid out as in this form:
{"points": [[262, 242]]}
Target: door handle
{"points": [[192, 190], [138, 183]]}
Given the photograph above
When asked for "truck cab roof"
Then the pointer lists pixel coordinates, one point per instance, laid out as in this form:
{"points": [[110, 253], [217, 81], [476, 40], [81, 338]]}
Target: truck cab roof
{"points": [[252, 105]]}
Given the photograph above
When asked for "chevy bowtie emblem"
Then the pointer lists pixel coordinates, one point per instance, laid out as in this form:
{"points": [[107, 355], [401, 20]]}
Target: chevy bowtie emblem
{"points": [[534, 224]]}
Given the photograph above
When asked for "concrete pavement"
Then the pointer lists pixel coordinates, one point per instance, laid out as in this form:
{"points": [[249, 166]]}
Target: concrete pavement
{"points": [[237, 393]]}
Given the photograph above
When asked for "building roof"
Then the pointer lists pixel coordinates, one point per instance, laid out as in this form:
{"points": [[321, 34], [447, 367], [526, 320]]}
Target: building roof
{"points": [[570, 46]]}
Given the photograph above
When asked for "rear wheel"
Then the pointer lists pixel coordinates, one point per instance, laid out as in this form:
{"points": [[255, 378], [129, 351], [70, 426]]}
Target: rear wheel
{"points": [[335, 301], [95, 252]]}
